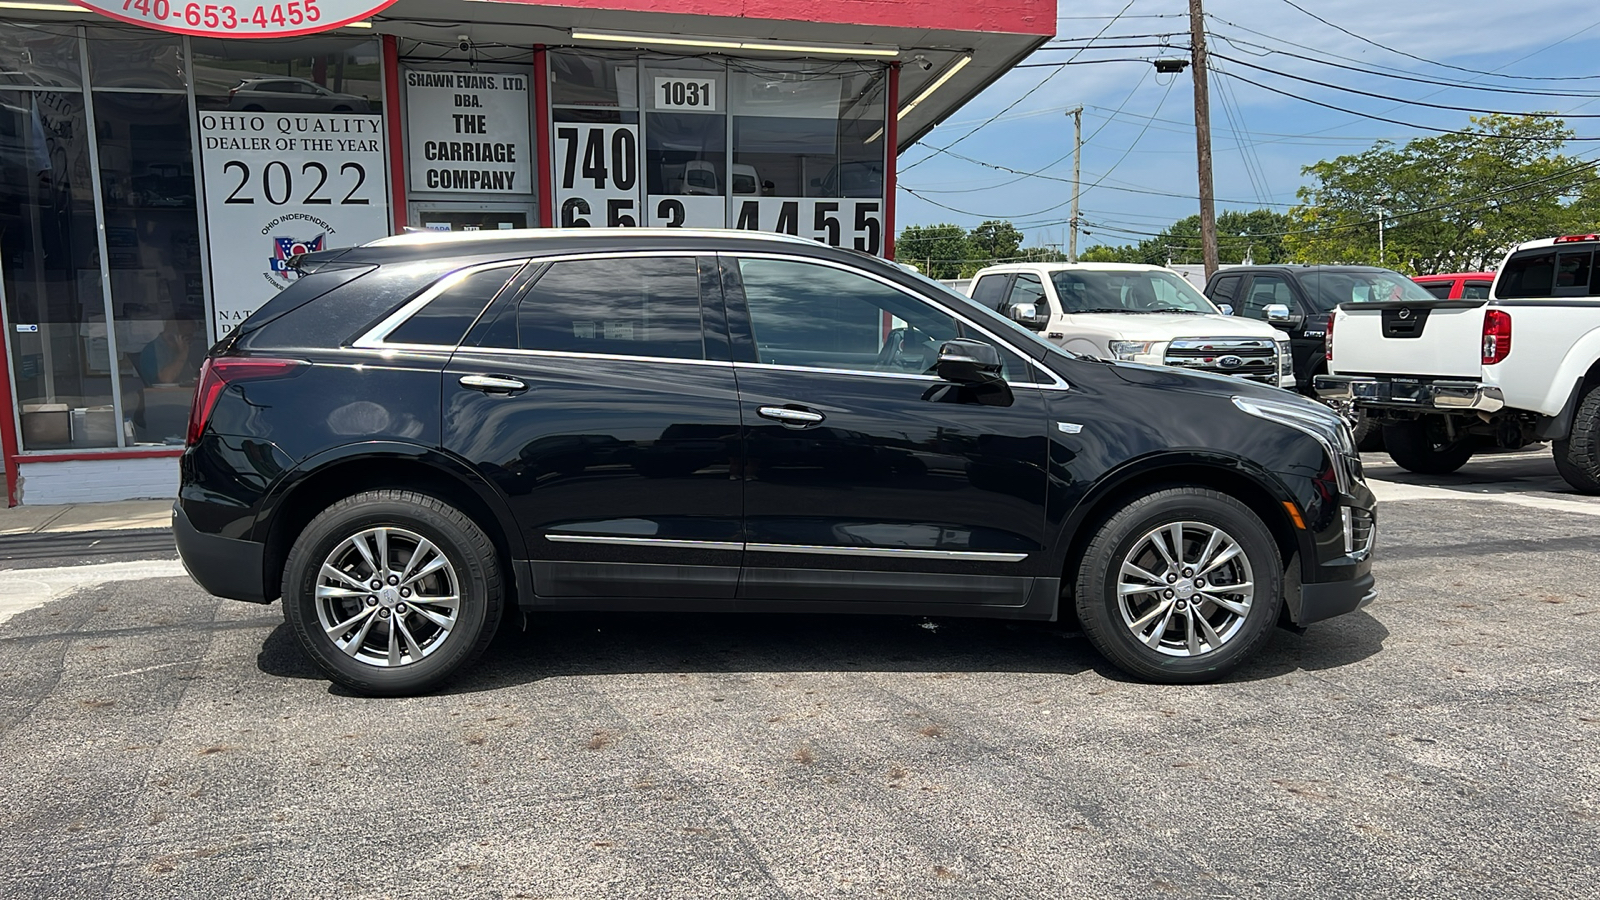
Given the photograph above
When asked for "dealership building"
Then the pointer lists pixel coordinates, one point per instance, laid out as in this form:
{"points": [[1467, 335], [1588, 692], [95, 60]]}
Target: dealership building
{"points": [[160, 161]]}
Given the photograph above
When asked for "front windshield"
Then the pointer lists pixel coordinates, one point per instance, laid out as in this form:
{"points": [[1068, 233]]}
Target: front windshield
{"points": [[1128, 291], [1329, 289]]}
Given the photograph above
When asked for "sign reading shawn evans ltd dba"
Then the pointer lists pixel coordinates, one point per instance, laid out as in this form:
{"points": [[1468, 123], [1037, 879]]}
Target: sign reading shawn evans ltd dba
{"points": [[278, 185], [468, 132]]}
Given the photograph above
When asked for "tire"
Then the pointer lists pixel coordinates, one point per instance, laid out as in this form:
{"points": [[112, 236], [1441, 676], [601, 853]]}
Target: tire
{"points": [[1578, 456], [376, 652], [1367, 431], [1174, 648], [1420, 446]]}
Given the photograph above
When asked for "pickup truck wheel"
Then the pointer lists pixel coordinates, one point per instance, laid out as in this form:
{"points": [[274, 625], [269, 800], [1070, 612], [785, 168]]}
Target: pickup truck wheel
{"points": [[1180, 585], [391, 592], [1367, 431], [1578, 457], [1422, 446]]}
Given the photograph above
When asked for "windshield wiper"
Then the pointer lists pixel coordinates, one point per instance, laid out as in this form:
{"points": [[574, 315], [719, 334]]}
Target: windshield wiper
{"points": [[1105, 309], [1177, 309]]}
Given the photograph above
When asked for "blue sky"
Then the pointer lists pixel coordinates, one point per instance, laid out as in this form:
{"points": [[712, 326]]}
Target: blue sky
{"points": [[1260, 139]]}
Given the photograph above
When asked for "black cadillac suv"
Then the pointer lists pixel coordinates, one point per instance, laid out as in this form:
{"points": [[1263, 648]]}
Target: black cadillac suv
{"points": [[425, 432]]}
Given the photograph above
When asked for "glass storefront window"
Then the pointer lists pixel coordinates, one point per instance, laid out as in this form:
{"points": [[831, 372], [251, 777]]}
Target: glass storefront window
{"points": [[319, 74], [686, 130], [136, 59], [587, 80], [153, 252], [39, 56], [49, 259], [809, 130]]}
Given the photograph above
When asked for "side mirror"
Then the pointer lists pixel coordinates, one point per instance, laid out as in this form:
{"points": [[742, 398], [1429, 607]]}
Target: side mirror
{"points": [[1227, 308], [1278, 314], [968, 362], [1028, 316]]}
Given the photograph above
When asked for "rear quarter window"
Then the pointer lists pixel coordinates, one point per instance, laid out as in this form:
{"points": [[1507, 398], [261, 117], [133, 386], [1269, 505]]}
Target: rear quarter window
{"points": [[342, 314]]}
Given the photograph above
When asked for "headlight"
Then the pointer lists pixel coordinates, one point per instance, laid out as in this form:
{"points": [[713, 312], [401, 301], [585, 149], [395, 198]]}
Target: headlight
{"points": [[1128, 350], [1327, 427], [1285, 360]]}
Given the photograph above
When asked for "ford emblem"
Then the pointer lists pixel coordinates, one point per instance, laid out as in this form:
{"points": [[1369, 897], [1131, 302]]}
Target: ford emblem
{"points": [[1230, 362]]}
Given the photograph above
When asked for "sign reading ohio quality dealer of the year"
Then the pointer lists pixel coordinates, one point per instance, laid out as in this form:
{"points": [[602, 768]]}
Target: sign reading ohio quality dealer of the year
{"points": [[278, 185], [468, 132]]}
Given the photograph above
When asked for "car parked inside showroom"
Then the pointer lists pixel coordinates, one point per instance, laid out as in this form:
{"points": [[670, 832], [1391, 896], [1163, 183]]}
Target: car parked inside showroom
{"points": [[427, 433]]}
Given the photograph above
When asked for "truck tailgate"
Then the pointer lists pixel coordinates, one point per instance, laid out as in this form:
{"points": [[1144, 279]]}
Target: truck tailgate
{"points": [[1441, 338]]}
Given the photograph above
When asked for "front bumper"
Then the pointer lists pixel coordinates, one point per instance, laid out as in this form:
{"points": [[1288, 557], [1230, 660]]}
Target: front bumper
{"points": [[1443, 396], [1324, 601], [223, 566]]}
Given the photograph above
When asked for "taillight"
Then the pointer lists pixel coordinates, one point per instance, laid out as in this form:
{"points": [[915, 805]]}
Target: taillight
{"points": [[1496, 336], [1327, 338], [216, 374]]}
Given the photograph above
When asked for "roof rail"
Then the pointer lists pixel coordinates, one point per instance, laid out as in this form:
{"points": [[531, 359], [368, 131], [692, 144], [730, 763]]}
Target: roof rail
{"points": [[446, 237]]}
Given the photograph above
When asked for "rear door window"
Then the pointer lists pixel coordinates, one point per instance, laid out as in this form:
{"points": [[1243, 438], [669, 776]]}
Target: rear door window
{"points": [[1528, 275], [1572, 273], [627, 306], [447, 317], [1475, 290], [1439, 289]]}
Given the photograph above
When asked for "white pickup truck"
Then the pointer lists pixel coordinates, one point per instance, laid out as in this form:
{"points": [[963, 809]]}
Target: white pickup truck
{"points": [[1446, 377]]}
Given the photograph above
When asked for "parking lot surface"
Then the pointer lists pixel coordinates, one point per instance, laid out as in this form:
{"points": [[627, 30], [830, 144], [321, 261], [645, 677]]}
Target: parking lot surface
{"points": [[160, 742]]}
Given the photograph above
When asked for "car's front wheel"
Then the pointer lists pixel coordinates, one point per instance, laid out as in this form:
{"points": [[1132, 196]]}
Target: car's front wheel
{"points": [[1180, 585], [391, 592]]}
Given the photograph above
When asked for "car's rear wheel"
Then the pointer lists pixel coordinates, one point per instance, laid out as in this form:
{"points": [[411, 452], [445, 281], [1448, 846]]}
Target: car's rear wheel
{"points": [[1180, 585], [1423, 446], [392, 592], [1578, 456]]}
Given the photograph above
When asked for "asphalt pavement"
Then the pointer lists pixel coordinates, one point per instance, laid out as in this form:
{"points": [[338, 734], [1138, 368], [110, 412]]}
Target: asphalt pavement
{"points": [[1440, 743]]}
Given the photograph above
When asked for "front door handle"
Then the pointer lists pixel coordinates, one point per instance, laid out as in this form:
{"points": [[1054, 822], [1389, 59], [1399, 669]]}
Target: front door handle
{"points": [[797, 418], [493, 384]]}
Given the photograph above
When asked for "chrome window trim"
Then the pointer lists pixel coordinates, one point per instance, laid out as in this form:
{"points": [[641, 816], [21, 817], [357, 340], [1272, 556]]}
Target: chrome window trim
{"points": [[564, 354], [1056, 381], [373, 338], [889, 552], [642, 542]]}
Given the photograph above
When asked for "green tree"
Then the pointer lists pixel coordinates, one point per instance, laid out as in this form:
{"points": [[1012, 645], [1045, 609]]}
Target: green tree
{"points": [[940, 251], [1256, 235], [1450, 203], [996, 240]]}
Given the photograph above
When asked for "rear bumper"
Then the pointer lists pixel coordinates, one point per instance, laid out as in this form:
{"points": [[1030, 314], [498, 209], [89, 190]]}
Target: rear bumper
{"points": [[223, 566], [1444, 396]]}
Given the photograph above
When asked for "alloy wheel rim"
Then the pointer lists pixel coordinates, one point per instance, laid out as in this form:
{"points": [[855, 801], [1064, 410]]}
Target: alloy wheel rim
{"points": [[1185, 589], [387, 597]]}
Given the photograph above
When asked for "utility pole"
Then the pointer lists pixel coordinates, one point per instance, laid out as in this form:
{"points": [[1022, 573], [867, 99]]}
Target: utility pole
{"points": [[1383, 213], [1202, 137], [1077, 151]]}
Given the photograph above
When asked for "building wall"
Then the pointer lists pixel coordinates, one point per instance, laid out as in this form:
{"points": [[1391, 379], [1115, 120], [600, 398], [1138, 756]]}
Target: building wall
{"points": [[96, 481]]}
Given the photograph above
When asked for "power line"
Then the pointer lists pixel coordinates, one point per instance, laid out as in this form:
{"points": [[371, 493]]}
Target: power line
{"points": [[1353, 112], [1395, 74], [1030, 92], [1351, 90], [1444, 65]]}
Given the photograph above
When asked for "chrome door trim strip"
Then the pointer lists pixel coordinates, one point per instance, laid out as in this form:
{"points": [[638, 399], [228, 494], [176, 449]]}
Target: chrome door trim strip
{"points": [[642, 542], [881, 552], [889, 552]]}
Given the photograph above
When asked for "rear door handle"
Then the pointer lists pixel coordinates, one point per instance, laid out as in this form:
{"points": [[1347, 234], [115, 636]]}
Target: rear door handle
{"points": [[794, 417], [493, 384]]}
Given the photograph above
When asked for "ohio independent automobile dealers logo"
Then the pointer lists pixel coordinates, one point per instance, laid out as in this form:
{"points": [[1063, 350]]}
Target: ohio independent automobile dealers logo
{"points": [[287, 246]]}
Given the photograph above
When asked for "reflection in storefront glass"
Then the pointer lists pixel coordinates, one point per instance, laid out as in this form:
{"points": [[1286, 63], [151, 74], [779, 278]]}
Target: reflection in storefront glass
{"points": [[593, 80], [39, 55], [153, 249], [136, 58], [809, 130], [318, 74], [59, 349]]}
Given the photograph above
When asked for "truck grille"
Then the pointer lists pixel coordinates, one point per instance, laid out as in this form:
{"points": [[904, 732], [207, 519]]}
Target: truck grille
{"points": [[1252, 358]]}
